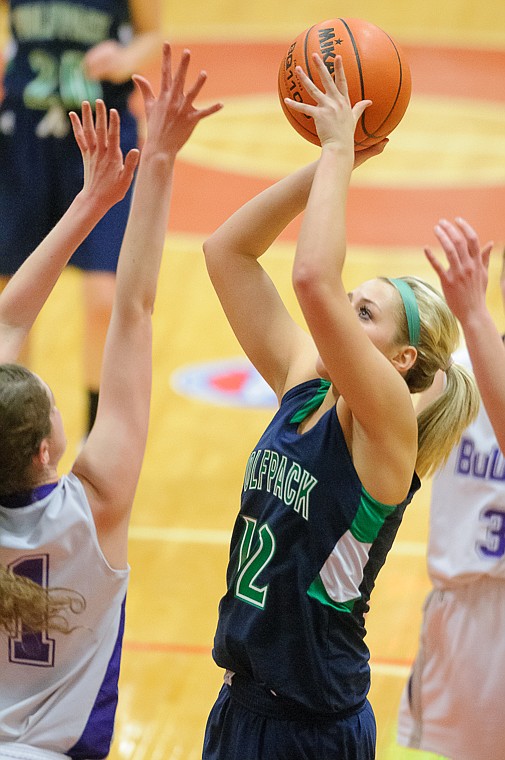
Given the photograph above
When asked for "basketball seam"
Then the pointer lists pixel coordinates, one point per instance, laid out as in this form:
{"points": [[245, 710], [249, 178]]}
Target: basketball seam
{"points": [[305, 44], [357, 56], [378, 128], [362, 84], [376, 133], [401, 72]]}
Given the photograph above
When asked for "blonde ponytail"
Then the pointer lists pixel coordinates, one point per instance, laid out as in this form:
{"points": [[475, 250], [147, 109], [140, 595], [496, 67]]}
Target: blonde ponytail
{"points": [[442, 422]]}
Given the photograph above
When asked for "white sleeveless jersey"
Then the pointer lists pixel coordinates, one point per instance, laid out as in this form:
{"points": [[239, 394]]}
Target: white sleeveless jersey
{"points": [[467, 513], [58, 691]]}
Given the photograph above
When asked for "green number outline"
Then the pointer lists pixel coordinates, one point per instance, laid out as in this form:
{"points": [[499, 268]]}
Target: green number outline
{"points": [[252, 563]]}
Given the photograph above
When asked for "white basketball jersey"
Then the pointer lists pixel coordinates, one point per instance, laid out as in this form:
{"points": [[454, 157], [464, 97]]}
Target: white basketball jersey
{"points": [[467, 513], [58, 691]]}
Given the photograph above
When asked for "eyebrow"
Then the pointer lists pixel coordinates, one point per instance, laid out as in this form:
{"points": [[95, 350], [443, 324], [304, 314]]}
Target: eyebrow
{"points": [[363, 299]]}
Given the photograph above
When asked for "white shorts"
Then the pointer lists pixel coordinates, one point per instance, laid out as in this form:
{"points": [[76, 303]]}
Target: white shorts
{"points": [[454, 702], [16, 751]]}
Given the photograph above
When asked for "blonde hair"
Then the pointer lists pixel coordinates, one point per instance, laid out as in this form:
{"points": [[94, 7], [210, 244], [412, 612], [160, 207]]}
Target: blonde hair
{"points": [[23, 602], [441, 423]]}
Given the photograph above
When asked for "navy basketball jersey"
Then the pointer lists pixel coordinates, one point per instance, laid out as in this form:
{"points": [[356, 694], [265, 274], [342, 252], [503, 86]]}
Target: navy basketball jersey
{"points": [[49, 39], [305, 551]]}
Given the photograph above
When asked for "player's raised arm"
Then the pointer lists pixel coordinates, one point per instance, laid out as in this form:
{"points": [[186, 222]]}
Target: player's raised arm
{"points": [[106, 179], [382, 409], [281, 351], [110, 462], [464, 283]]}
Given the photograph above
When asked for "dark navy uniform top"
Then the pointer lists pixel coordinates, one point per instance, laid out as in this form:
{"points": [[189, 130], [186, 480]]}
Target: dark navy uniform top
{"points": [[306, 548], [50, 39]]}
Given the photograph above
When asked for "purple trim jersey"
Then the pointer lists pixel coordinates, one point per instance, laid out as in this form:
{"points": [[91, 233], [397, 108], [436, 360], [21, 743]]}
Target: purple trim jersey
{"points": [[58, 692]]}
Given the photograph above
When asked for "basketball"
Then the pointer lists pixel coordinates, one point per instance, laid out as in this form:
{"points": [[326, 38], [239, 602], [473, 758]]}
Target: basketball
{"points": [[375, 67]]}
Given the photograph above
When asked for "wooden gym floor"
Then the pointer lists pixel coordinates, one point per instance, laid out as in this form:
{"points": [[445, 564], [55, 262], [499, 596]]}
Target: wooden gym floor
{"points": [[447, 158]]}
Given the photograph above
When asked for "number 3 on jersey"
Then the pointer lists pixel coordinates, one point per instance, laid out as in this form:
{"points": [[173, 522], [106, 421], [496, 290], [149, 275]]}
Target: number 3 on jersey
{"points": [[256, 550]]}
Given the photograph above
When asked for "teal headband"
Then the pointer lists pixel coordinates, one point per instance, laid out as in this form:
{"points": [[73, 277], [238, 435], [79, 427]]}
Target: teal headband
{"points": [[411, 308]]}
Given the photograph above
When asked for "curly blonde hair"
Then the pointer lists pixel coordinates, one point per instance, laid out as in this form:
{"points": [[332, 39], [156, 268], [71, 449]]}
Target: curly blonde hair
{"points": [[23, 602]]}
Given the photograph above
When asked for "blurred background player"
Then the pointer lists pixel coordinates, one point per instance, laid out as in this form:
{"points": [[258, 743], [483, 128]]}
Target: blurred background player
{"points": [[453, 702], [59, 54]]}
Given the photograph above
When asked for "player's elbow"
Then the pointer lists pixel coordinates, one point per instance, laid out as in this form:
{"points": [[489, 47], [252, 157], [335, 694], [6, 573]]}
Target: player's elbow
{"points": [[306, 279], [217, 255], [314, 291]]}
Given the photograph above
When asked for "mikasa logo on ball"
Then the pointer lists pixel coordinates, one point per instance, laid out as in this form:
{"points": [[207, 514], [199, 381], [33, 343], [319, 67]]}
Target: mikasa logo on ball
{"points": [[327, 44]]}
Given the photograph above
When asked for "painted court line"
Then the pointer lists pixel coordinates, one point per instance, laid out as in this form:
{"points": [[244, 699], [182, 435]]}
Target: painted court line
{"points": [[180, 535], [222, 538]]}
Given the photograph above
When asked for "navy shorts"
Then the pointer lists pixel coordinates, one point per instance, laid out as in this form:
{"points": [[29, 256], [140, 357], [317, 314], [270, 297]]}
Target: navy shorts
{"points": [[39, 178], [239, 729]]}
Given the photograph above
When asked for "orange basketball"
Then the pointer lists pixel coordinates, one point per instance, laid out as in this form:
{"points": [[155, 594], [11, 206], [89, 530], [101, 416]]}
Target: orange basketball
{"points": [[375, 67]]}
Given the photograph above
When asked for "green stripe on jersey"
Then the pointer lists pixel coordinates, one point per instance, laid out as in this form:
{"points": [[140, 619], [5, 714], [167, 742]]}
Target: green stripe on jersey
{"points": [[313, 403], [337, 585], [369, 518], [318, 592]]}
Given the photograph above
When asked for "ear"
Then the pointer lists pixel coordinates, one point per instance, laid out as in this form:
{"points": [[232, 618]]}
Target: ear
{"points": [[41, 458], [405, 359]]}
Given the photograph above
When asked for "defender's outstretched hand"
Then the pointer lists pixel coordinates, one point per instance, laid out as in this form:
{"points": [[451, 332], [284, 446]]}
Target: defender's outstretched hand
{"points": [[110, 461], [106, 179], [106, 176], [464, 282], [172, 117]]}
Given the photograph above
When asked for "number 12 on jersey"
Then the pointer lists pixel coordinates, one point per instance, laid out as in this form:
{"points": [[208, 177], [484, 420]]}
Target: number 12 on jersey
{"points": [[257, 548]]}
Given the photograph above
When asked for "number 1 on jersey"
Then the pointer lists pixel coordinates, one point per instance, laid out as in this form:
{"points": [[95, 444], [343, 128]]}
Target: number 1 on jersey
{"points": [[29, 647]]}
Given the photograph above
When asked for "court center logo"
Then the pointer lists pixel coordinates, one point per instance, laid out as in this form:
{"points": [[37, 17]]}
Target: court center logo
{"points": [[228, 382]]}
